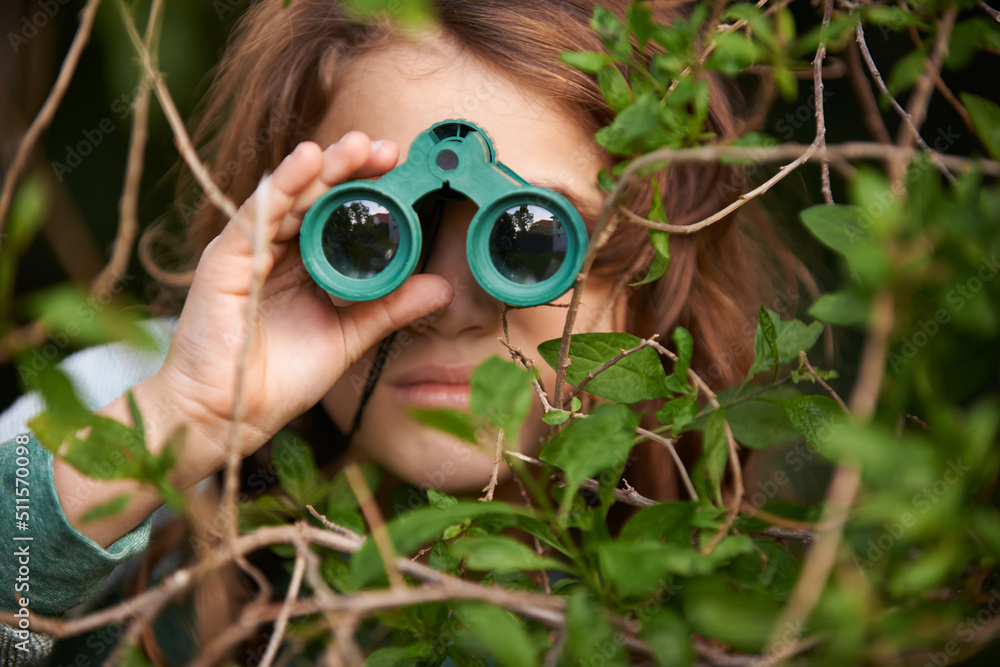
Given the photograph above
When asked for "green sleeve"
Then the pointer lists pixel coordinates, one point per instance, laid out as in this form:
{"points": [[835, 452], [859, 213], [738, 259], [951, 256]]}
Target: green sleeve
{"points": [[42, 556]]}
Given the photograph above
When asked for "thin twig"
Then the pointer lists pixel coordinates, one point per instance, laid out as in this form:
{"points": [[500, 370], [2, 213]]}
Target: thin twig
{"points": [[605, 366], [924, 87], [181, 138], [863, 92], [227, 507], [48, 111], [627, 496], [681, 470], [376, 523], [818, 98], [495, 475], [846, 480], [539, 549], [877, 76], [989, 10], [128, 205], [337, 528], [282, 621], [517, 356], [732, 450], [714, 27], [812, 371]]}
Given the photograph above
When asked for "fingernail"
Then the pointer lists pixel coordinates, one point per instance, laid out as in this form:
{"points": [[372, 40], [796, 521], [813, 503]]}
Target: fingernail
{"points": [[377, 145]]}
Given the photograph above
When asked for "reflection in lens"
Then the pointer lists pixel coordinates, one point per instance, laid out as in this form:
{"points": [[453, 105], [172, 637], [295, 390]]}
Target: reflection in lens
{"points": [[360, 238], [527, 244]]}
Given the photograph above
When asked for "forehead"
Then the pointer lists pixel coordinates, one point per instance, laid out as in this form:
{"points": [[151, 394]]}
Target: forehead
{"points": [[399, 90]]}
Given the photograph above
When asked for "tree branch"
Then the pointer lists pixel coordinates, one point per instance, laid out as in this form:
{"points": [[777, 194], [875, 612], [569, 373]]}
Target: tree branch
{"points": [[48, 110], [873, 69]]}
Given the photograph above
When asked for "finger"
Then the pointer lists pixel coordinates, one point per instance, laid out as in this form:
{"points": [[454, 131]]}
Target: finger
{"points": [[366, 323], [353, 157], [279, 193]]}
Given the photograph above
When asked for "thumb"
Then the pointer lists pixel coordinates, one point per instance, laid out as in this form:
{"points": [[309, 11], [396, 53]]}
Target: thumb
{"points": [[367, 322]]}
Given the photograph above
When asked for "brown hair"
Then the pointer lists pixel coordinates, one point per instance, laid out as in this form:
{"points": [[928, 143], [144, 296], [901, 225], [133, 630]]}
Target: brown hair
{"points": [[278, 78]]}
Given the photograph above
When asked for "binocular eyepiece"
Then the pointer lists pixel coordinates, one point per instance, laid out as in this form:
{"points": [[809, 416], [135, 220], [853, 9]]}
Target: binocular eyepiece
{"points": [[362, 239]]}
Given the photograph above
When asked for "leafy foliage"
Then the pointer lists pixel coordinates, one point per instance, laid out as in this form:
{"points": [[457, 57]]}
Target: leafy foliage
{"points": [[922, 542]]}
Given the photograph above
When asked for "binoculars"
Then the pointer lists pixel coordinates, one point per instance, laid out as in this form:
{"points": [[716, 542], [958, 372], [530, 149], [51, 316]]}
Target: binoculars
{"points": [[525, 245]]}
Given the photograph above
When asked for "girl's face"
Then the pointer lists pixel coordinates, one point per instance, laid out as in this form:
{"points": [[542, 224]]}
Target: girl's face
{"points": [[395, 92]]}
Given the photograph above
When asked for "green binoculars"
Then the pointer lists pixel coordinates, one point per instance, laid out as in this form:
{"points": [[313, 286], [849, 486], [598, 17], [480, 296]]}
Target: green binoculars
{"points": [[362, 239]]}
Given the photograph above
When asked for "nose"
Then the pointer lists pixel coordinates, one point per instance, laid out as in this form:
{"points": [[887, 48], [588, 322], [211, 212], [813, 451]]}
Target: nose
{"points": [[473, 310]]}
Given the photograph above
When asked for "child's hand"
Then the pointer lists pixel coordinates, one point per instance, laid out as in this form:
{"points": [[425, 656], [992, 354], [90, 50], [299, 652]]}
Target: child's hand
{"points": [[300, 343]]}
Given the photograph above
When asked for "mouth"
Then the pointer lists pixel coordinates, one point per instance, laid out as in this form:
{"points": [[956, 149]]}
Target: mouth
{"points": [[433, 387]]}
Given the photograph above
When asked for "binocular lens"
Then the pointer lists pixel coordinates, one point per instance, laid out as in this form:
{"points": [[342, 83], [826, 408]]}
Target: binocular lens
{"points": [[527, 244], [360, 238]]}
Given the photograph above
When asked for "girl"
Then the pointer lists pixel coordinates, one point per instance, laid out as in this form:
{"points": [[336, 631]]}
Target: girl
{"points": [[317, 99]]}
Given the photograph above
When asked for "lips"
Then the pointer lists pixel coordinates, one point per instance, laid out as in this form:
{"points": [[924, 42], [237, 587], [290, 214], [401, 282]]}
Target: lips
{"points": [[434, 386]]}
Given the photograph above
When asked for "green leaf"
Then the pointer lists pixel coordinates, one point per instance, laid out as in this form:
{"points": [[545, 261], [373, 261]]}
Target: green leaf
{"points": [[449, 420], [614, 87], [586, 61], [760, 424], [501, 393], [556, 417], [906, 71], [842, 228], [665, 519], [658, 239], [769, 334], [733, 53], [636, 377], [293, 461], [137, 426], [104, 510], [635, 128], [71, 312], [27, 213], [842, 308], [439, 499], [742, 621], [789, 338], [412, 530], [678, 413], [412, 14], [643, 569], [589, 633], [501, 554], [668, 638], [639, 22], [502, 634], [589, 446], [817, 418], [715, 454], [679, 382], [836, 225], [394, 656], [986, 119], [612, 32]]}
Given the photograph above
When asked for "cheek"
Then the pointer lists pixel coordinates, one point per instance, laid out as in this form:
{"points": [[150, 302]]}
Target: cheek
{"points": [[342, 401]]}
